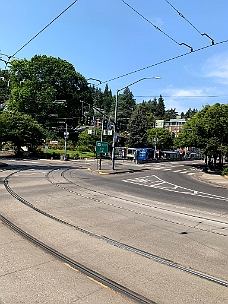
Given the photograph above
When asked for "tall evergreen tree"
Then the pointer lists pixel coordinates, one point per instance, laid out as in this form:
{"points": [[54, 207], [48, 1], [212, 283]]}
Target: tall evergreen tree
{"points": [[160, 111], [170, 114], [147, 111], [190, 113], [107, 99], [138, 129], [153, 103], [126, 106]]}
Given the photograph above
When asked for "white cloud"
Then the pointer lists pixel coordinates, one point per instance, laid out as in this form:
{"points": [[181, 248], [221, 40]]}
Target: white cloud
{"points": [[217, 67], [183, 99], [176, 92]]}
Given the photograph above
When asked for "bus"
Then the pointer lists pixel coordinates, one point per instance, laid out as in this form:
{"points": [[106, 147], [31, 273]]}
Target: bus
{"points": [[172, 155], [140, 154]]}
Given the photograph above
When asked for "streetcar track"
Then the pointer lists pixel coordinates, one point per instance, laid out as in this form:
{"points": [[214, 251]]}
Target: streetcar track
{"points": [[80, 267], [113, 242], [135, 202]]}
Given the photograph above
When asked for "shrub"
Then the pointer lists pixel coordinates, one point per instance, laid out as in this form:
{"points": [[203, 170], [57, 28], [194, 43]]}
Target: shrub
{"points": [[225, 171]]}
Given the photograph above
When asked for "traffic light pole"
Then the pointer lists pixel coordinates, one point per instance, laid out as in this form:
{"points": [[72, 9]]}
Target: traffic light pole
{"points": [[65, 146], [115, 130]]}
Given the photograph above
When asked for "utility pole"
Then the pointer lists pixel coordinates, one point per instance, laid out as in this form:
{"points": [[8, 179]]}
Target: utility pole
{"points": [[65, 145], [115, 117]]}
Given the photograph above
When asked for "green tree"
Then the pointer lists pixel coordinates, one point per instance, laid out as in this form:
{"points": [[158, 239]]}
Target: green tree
{"points": [[161, 137], [208, 130], [189, 113], [138, 129], [160, 110], [98, 97], [126, 106], [148, 111], [21, 130], [153, 105], [108, 100], [87, 142], [37, 83], [170, 114], [4, 88]]}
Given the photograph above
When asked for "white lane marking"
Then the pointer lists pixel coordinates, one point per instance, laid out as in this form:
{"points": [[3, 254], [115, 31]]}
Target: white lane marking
{"points": [[154, 181]]}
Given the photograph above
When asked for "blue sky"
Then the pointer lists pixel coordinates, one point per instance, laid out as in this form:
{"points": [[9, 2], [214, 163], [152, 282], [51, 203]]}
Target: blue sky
{"points": [[109, 41]]}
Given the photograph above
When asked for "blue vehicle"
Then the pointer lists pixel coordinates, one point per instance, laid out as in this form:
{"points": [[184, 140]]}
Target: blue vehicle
{"points": [[140, 154]]}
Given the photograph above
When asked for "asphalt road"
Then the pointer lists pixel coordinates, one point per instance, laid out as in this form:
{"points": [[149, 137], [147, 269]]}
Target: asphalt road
{"points": [[163, 211], [170, 183]]}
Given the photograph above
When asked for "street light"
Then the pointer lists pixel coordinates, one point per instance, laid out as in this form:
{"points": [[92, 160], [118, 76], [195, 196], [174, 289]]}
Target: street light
{"points": [[66, 133], [115, 116]]}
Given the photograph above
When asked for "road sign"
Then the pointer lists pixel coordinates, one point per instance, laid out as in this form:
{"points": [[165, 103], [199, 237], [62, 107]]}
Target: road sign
{"points": [[101, 147]]}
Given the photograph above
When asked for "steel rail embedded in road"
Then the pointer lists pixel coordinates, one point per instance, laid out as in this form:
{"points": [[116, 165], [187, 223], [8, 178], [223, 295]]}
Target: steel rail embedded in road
{"points": [[83, 269], [116, 243]]}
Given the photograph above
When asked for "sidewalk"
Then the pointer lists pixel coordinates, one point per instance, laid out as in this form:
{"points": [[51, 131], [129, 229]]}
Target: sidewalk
{"points": [[214, 178]]}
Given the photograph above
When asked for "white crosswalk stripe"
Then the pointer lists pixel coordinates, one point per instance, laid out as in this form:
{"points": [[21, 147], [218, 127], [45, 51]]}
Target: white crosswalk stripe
{"points": [[154, 181], [170, 167]]}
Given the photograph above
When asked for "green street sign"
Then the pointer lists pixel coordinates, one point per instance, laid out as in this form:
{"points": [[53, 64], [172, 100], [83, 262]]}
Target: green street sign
{"points": [[101, 147]]}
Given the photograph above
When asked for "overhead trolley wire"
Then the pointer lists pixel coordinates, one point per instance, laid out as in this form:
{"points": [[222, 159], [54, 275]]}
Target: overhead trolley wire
{"points": [[184, 96], [43, 28], [164, 61], [181, 15], [155, 26]]}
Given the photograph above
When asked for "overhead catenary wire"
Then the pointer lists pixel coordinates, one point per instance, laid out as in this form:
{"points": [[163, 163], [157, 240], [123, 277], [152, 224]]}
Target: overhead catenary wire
{"points": [[182, 43], [132, 72], [44, 28], [155, 26], [182, 16], [4, 60], [178, 96], [164, 61]]}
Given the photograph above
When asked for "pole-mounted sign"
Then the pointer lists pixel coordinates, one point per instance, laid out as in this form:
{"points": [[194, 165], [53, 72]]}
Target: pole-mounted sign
{"points": [[101, 147]]}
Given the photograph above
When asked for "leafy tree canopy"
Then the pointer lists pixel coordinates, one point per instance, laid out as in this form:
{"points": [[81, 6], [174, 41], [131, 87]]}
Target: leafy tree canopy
{"points": [[161, 137], [4, 87], [207, 129], [38, 83], [88, 141], [20, 129]]}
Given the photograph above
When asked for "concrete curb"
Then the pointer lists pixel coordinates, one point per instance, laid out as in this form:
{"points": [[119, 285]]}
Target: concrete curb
{"points": [[218, 180], [117, 171], [107, 172]]}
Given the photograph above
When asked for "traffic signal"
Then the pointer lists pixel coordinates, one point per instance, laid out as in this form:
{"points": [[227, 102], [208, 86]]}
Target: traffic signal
{"points": [[105, 124]]}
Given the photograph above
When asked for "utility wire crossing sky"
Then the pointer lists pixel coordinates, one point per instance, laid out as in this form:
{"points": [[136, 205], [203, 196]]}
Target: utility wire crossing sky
{"points": [[119, 42]]}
